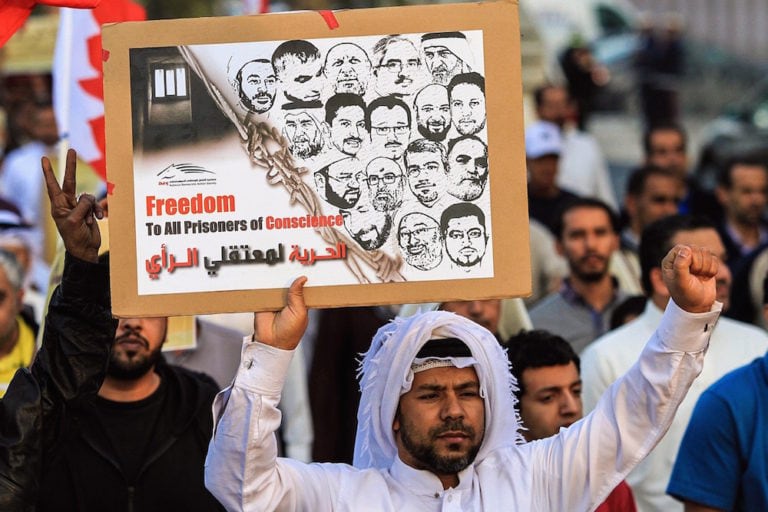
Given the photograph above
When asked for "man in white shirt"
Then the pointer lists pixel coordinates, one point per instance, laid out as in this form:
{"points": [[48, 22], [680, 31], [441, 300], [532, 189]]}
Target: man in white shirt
{"points": [[582, 168], [733, 344], [438, 429]]}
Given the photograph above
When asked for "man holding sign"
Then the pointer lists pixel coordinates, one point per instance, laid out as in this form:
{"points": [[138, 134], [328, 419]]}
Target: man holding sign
{"points": [[437, 423]]}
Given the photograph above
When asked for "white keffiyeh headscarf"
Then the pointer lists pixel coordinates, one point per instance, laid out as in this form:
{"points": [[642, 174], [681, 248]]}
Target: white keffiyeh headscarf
{"points": [[385, 373]]}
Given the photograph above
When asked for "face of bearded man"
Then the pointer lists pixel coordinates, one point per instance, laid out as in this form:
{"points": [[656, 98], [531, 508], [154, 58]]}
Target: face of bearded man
{"points": [[137, 346], [440, 422], [304, 135], [587, 242]]}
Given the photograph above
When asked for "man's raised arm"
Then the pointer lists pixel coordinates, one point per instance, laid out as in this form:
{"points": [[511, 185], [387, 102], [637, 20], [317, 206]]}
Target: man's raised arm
{"points": [[593, 455], [78, 332], [242, 469]]}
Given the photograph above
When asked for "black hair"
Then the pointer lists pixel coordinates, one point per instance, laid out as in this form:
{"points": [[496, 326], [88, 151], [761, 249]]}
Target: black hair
{"points": [[472, 77], [458, 210], [389, 102], [339, 100], [664, 127], [656, 242], [302, 50], [582, 202], [538, 349]]}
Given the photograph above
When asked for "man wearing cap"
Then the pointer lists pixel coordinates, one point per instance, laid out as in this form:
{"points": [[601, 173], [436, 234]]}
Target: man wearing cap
{"points": [[437, 423], [446, 54], [542, 151]]}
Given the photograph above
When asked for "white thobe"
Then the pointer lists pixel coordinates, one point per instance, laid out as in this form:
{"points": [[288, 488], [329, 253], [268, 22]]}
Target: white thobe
{"points": [[582, 168], [574, 470]]}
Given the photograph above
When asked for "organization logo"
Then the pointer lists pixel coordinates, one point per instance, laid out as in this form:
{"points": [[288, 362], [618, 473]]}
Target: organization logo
{"points": [[185, 174]]}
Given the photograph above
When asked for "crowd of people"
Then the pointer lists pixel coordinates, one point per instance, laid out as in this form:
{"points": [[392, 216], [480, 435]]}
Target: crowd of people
{"points": [[627, 390]]}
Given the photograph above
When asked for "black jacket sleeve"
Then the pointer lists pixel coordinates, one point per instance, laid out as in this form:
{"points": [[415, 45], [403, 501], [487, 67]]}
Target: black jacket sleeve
{"points": [[78, 333]]}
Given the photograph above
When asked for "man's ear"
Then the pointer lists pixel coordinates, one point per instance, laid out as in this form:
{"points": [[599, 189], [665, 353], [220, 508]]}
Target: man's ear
{"points": [[320, 183], [396, 422], [630, 204], [721, 193], [657, 282], [559, 248]]}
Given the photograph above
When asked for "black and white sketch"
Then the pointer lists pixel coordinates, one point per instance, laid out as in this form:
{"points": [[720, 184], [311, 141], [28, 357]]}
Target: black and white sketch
{"points": [[418, 236], [433, 112], [368, 227], [345, 121], [385, 184], [462, 226], [256, 85], [361, 141], [425, 169], [467, 167], [466, 93], [298, 66], [304, 133], [446, 55], [347, 68], [389, 119], [338, 183], [398, 66]]}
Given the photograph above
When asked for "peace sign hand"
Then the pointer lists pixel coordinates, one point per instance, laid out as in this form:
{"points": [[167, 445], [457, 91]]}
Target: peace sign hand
{"points": [[74, 216]]}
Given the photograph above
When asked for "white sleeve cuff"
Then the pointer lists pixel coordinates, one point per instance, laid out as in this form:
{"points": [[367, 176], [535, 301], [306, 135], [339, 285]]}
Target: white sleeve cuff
{"points": [[682, 331], [263, 368]]}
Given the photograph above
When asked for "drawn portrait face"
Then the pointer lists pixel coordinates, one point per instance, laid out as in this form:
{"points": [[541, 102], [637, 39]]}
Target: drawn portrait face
{"points": [[348, 130], [442, 63], [426, 175], [348, 68], [304, 134], [390, 131], [385, 184], [399, 69], [467, 168], [339, 184], [257, 85], [465, 240], [433, 112], [468, 108], [298, 66], [368, 227], [418, 236]]}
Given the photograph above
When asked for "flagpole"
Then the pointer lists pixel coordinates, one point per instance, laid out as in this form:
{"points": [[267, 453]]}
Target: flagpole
{"points": [[62, 86]]}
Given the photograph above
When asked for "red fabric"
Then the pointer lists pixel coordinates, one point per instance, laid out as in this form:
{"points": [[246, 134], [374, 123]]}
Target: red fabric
{"points": [[620, 500], [108, 12], [263, 6], [13, 13]]}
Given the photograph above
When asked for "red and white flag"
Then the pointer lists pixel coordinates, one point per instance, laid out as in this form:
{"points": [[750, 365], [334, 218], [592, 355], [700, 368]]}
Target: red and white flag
{"points": [[78, 91]]}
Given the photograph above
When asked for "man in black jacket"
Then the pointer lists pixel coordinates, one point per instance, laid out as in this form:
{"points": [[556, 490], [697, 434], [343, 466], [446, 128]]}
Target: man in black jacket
{"points": [[133, 437]]}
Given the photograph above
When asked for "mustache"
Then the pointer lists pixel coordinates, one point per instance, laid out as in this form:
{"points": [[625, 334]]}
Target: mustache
{"points": [[353, 139], [402, 79], [133, 336], [453, 426]]}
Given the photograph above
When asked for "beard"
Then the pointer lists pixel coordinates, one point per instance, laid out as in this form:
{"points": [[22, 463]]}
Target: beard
{"points": [[434, 136], [429, 257], [302, 147], [423, 450], [590, 275], [348, 200], [385, 201], [129, 365], [468, 189]]}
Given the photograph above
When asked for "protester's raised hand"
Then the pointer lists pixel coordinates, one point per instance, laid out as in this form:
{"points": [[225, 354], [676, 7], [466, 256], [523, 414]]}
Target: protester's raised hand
{"points": [[689, 275], [284, 329], [74, 216]]}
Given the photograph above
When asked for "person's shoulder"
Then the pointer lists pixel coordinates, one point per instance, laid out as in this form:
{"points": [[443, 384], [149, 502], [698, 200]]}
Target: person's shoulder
{"points": [[547, 306]]}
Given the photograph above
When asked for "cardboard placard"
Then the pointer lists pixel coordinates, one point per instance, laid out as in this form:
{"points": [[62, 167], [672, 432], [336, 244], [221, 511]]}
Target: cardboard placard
{"points": [[244, 152]]}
